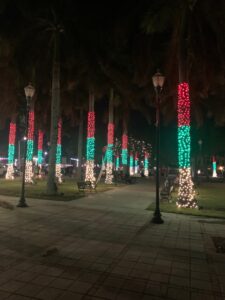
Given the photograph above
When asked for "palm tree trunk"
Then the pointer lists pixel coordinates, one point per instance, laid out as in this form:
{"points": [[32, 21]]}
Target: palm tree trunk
{"points": [[11, 149], [90, 155], [55, 112], [29, 174], [40, 151], [125, 147], [109, 155], [80, 144], [186, 195]]}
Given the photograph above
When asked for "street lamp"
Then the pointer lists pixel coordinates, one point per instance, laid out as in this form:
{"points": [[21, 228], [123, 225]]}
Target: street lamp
{"points": [[158, 81], [19, 151], [29, 93]]}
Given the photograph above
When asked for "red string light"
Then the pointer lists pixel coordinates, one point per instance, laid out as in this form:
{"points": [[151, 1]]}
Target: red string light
{"points": [[30, 135], [12, 133], [59, 138], [183, 105], [40, 139], [110, 133], [124, 141], [91, 124]]}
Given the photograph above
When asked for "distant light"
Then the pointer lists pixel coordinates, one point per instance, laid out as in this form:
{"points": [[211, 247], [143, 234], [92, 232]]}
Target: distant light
{"points": [[199, 171]]}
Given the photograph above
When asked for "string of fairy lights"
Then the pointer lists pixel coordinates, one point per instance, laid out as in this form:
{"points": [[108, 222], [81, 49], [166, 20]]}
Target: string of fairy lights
{"points": [[58, 166], [131, 163], [109, 154], [40, 147], [146, 163], [30, 146], [214, 167], [124, 149], [11, 151], [186, 193], [90, 149]]}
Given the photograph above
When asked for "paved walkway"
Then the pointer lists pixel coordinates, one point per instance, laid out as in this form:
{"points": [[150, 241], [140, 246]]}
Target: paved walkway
{"points": [[105, 247]]}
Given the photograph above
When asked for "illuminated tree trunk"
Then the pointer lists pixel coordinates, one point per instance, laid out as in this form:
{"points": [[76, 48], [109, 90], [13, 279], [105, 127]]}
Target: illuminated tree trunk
{"points": [[186, 194], [58, 165], [214, 173], [40, 150], [80, 144], [146, 163], [90, 154], [30, 148], [117, 161], [124, 148], [136, 167], [110, 137], [55, 113], [11, 150], [131, 163]]}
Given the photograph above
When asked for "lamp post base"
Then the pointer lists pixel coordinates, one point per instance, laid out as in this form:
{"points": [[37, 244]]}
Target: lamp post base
{"points": [[22, 202], [157, 218]]}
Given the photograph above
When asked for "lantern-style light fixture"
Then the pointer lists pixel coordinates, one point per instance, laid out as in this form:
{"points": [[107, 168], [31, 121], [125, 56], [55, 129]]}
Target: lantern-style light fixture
{"points": [[158, 80], [29, 91]]}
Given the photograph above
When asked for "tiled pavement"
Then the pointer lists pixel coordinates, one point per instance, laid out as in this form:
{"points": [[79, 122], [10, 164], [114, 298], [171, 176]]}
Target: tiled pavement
{"points": [[105, 247]]}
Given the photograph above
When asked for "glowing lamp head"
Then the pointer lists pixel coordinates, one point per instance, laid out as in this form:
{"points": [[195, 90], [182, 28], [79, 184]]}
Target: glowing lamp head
{"points": [[29, 91], [158, 80]]}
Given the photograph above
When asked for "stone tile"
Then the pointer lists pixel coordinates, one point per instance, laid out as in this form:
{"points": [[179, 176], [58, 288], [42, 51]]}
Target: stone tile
{"points": [[113, 281], [136, 285], [30, 290], [106, 292], [27, 276], [178, 293], [18, 297], [4, 295], [159, 277], [127, 295], [201, 285], [121, 271], [49, 293], [70, 296], [202, 296], [53, 271], [43, 280], [61, 283], [80, 287], [200, 276], [179, 281], [158, 289], [12, 286], [140, 274]]}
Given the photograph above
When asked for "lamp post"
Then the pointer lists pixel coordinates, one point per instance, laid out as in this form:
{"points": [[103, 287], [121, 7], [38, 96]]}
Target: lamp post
{"points": [[158, 81], [200, 153], [19, 151], [29, 93]]}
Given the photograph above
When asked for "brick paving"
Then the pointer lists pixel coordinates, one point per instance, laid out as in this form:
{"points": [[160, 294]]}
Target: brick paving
{"points": [[104, 247]]}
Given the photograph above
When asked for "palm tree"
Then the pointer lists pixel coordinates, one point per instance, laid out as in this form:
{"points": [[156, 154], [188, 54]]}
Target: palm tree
{"points": [[190, 28], [55, 108]]}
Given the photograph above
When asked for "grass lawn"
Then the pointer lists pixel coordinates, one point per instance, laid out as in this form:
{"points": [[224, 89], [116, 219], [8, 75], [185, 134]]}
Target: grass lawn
{"points": [[66, 191], [210, 197]]}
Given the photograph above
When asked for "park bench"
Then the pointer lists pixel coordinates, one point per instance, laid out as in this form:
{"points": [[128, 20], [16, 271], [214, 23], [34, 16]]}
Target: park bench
{"points": [[86, 186], [166, 191]]}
